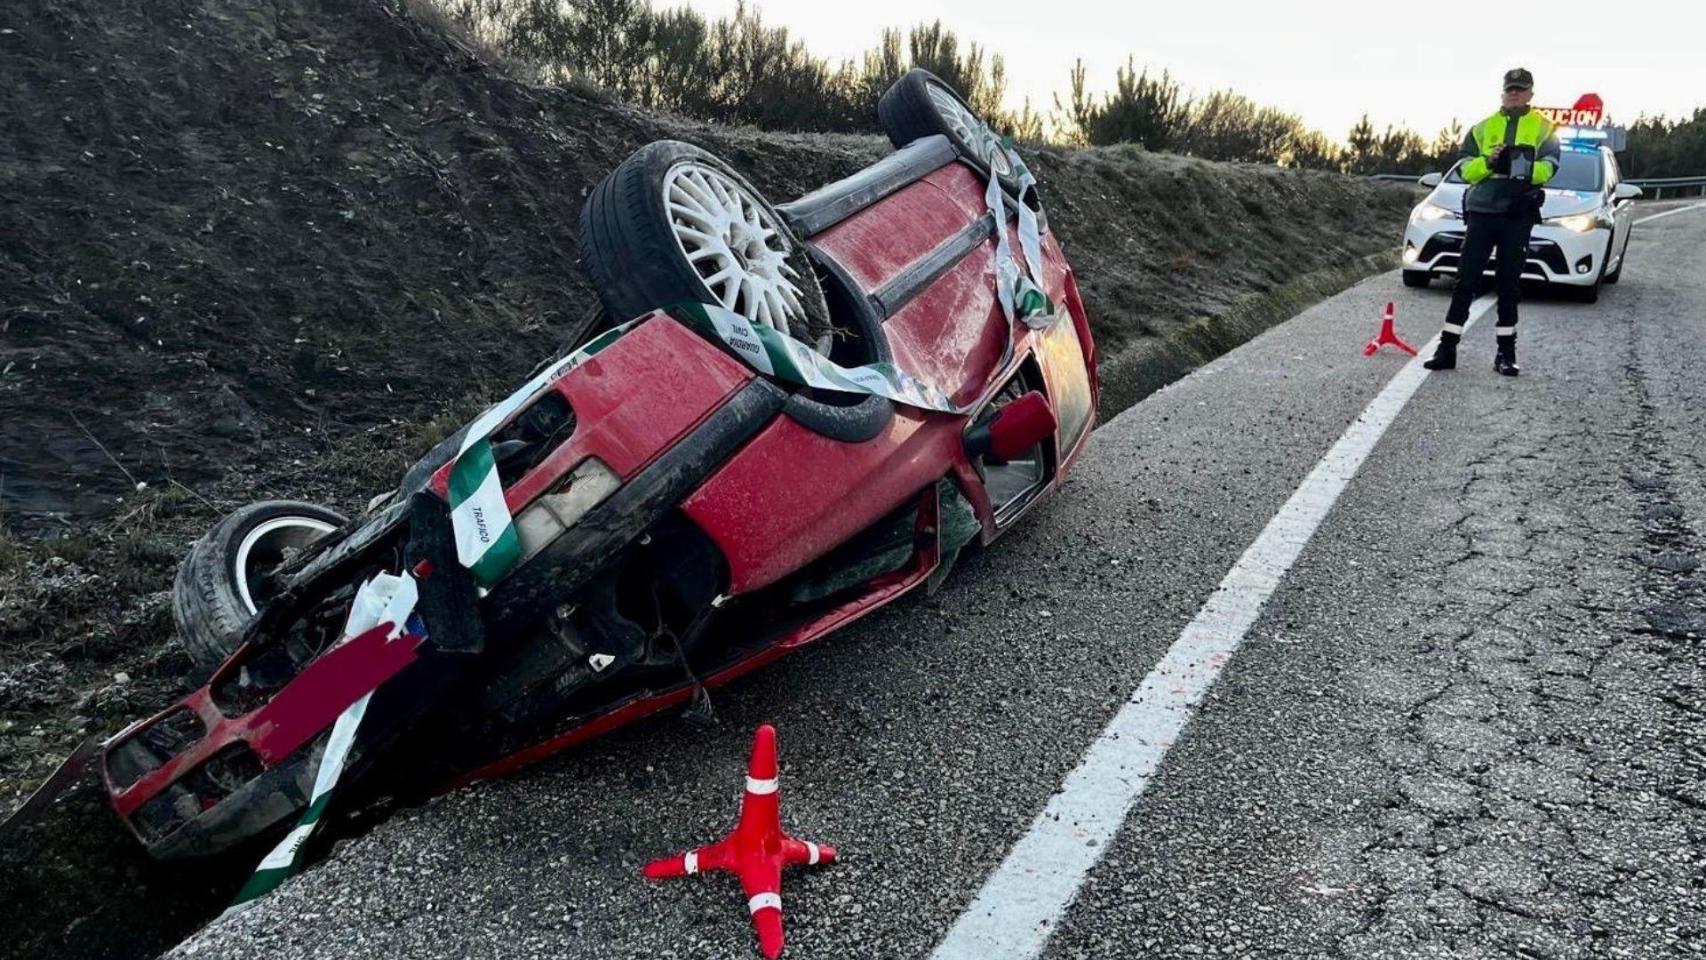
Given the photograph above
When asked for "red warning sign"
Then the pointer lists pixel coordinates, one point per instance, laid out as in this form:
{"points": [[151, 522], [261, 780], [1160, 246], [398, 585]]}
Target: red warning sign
{"points": [[1588, 111]]}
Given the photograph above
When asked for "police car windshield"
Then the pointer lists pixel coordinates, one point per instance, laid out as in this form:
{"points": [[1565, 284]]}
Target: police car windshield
{"points": [[1579, 170]]}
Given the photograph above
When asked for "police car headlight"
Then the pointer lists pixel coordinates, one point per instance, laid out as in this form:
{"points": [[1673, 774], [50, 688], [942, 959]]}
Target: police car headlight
{"points": [[1580, 223], [1429, 211]]}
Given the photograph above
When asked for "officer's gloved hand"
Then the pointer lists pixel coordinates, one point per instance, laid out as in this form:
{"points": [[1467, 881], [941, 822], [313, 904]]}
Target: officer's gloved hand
{"points": [[1499, 161]]}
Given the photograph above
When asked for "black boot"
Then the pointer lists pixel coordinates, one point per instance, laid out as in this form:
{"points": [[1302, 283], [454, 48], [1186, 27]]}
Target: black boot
{"points": [[1445, 356], [1504, 362]]}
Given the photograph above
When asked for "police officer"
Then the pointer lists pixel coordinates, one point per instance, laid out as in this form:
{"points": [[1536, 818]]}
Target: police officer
{"points": [[1506, 159]]}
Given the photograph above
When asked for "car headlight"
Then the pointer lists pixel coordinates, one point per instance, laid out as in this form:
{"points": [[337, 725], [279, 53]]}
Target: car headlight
{"points": [[1584, 222], [1580, 223], [1429, 210]]}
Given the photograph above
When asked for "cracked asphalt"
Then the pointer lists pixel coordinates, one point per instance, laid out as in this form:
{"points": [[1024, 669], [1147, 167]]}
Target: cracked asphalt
{"points": [[1469, 724]]}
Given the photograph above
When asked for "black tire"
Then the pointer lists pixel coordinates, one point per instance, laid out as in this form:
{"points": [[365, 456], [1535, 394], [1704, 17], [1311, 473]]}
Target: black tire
{"points": [[1588, 294], [907, 112], [630, 253], [1416, 278], [207, 598]]}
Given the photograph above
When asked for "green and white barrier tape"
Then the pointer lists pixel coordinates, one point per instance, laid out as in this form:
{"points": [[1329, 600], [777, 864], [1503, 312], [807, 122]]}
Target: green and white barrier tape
{"points": [[775, 354], [1022, 298], [486, 541], [383, 599]]}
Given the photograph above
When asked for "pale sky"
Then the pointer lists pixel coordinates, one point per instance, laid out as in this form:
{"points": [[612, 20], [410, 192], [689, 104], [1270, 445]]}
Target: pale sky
{"points": [[1418, 64]]}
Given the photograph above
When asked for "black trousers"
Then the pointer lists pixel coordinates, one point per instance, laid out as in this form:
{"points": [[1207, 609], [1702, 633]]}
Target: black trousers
{"points": [[1489, 234]]}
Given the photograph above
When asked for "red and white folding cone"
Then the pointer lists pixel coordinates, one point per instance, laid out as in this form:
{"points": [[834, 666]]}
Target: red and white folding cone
{"points": [[757, 850], [1385, 336]]}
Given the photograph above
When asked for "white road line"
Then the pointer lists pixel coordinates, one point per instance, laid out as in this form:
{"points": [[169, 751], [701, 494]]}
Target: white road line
{"points": [[1671, 213], [1022, 902]]}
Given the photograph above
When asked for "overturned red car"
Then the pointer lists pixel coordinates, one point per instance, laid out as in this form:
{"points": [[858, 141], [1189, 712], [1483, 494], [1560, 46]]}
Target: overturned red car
{"points": [[676, 516]]}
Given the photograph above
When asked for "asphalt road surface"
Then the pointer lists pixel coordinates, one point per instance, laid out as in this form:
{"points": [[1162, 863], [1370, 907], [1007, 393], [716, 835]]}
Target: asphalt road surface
{"points": [[1468, 722]]}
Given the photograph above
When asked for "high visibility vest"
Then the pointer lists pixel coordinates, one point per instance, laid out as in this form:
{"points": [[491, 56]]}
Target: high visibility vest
{"points": [[1532, 130]]}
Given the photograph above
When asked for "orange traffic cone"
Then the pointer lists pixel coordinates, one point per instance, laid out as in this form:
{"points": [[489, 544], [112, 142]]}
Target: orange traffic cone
{"points": [[757, 850], [1385, 336]]}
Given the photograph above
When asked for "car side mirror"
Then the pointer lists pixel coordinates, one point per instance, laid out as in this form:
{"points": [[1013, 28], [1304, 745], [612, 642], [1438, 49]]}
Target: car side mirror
{"points": [[1628, 191], [1014, 429], [1431, 179]]}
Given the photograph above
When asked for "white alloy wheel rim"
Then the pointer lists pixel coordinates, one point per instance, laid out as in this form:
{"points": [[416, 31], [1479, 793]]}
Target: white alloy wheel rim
{"points": [[968, 128], [736, 247], [268, 543]]}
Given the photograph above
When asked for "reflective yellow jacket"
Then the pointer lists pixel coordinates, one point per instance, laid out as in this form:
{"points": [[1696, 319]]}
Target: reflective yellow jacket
{"points": [[1495, 192]]}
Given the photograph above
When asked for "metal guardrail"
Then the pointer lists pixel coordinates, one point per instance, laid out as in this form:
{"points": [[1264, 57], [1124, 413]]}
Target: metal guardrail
{"points": [[1654, 187]]}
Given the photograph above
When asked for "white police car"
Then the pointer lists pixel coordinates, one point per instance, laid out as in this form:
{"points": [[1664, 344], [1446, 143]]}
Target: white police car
{"points": [[1583, 238]]}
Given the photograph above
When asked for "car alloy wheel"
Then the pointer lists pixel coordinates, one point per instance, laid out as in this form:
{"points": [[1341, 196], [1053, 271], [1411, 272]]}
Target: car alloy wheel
{"points": [[968, 128], [737, 248]]}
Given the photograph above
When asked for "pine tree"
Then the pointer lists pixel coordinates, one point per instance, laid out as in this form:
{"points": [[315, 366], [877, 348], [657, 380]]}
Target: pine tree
{"points": [[1362, 148]]}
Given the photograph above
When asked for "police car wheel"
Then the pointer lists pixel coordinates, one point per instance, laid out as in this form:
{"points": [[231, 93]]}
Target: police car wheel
{"points": [[1416, 278]]}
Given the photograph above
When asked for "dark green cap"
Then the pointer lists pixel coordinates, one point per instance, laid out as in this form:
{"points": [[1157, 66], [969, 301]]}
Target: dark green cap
{"points": [[1519, 77]]}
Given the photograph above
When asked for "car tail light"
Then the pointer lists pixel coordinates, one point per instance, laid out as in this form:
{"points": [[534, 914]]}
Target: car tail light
{"points": [[550, 516]]}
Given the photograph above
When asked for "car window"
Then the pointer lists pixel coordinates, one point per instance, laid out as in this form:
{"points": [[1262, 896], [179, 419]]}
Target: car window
{"points": [[1577, 170], [1613, 176]]}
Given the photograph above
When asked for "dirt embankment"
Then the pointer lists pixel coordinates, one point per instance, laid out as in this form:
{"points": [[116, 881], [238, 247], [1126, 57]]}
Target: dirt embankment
{"points": [[269, 248]]}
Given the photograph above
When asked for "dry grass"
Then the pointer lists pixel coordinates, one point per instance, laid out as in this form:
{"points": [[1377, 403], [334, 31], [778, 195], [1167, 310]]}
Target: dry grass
{"points": [[481, 48], [1152, 363], [11, 553]]}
